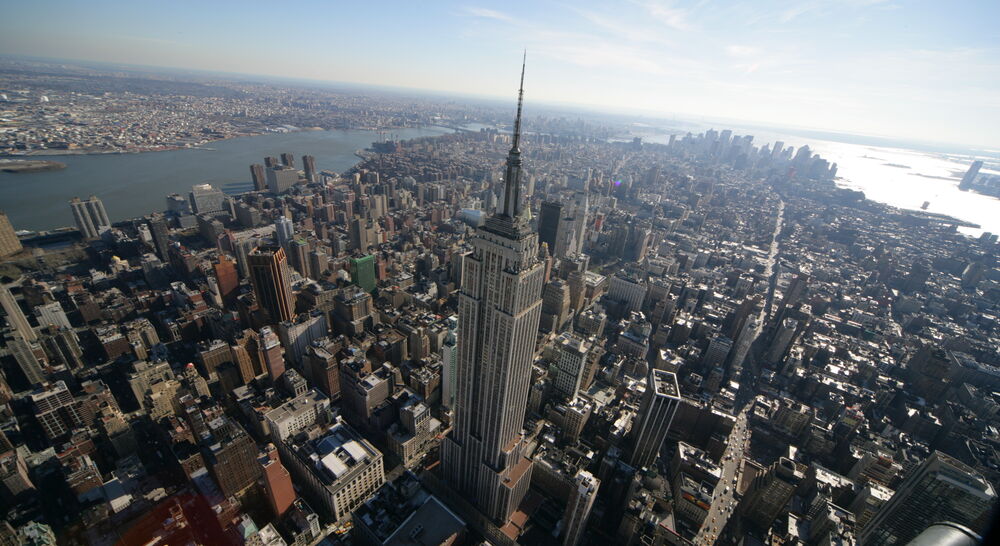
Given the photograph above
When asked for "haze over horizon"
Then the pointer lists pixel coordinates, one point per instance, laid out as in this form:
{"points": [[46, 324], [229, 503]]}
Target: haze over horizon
{"points": [[864, 67]]}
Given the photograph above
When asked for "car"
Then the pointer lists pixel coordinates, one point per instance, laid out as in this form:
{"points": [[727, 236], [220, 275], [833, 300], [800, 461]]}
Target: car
{"points": [[726, 490]]}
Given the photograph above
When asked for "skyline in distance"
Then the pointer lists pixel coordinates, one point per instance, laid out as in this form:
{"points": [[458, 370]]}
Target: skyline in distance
{"points": [[912, 70]]}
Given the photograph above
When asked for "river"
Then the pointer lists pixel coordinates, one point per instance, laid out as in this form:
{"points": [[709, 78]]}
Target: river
{"points": [[132, 185]]}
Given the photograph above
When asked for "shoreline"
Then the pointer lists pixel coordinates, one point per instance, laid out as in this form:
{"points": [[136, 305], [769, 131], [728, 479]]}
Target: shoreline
{"points": [[170, 148]]}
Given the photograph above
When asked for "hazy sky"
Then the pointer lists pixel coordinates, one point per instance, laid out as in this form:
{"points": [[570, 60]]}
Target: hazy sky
{"points": [[927, 70]]}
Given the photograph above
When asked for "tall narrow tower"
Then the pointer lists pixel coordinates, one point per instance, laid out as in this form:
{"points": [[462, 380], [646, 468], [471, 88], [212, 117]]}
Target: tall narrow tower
{"points": [[498, 312], [272, 282]]}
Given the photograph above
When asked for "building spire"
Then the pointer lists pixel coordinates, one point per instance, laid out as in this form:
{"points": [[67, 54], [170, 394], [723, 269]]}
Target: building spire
{"points": [[512, 191], [520, 100]]}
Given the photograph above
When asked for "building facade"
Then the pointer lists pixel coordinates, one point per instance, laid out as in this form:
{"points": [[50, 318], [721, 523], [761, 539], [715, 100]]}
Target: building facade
{"points": [[499, 311]]}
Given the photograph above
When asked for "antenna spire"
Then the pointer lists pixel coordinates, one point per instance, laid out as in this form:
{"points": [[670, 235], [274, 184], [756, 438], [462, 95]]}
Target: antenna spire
{"points": [[520, 99], [512, 191]]}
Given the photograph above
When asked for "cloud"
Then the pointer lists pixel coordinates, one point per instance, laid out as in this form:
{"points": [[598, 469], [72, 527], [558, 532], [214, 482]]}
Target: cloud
{"points": [[626, 30], [488, 14], [666, 13], [822, 7], [736, 50]]}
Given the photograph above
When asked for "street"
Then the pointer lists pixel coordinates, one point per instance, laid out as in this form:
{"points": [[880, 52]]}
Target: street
{"points": [[724, 497]]}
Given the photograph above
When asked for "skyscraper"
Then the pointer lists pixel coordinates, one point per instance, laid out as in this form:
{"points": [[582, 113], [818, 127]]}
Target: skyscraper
{"points": [[272, 353], [769, 493], [548, 223], [499, 310], [970, 175], [941, 489], [226, 276], [449, 363], [656, 413], [309, 167], [161, 235], [231, 456], [258, 177], [89, 215], [15, 317], [271, 282], [9, 243], [363, 272], [284, 230], [573, 352], [581, 500], [288, 159]]}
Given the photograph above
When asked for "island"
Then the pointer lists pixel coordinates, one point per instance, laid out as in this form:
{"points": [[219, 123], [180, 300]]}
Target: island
{"points": [[29, 165]]}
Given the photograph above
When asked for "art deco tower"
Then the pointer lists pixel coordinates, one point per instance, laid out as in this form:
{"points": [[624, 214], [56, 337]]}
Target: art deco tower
{"points": [[498, 312]]}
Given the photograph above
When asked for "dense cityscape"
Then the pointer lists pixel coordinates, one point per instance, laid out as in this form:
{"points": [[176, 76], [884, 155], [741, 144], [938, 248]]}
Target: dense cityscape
{"points": [[490, 336]]}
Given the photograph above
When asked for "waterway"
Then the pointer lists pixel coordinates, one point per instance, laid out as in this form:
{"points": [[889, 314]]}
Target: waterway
{"points": [[132, 185]]}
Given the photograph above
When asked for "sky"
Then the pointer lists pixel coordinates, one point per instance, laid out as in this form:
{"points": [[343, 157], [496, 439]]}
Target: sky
{"points": [[920, 70]]}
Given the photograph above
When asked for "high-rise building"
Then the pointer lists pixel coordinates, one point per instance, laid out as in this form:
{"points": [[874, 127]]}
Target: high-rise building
{"points": [[62, 347], [288, 159], [628, 291], [178, 205], [361, 234], [15, 317], [9, 243], [363, 272], [324, 366], [90, 216], [277, 482], [54, 409], [770, 492], [499, 310], [717, 351], [258, 177], [272, 354], [161, 236], [782, 338], [970, 175], [555, 306], [656, 413], [549, 217], [942, 488], [226, 277], [271, 282], [581, 501], [281, 178], [449, 364], [206, 199], [231, 456], [29, 356], [573, 352], [309, 167], [298, 256], [284, 231]]}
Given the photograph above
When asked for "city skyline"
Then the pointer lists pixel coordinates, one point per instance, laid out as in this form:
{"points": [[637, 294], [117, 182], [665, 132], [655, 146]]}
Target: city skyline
{"points": [[866, 67], [329, 314]]}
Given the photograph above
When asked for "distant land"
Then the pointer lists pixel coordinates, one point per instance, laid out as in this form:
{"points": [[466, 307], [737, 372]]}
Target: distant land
{"points": [[29, 165]]}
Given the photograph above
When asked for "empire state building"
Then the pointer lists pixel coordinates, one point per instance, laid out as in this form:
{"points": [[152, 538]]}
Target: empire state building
{"points": [[498, 311]]}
